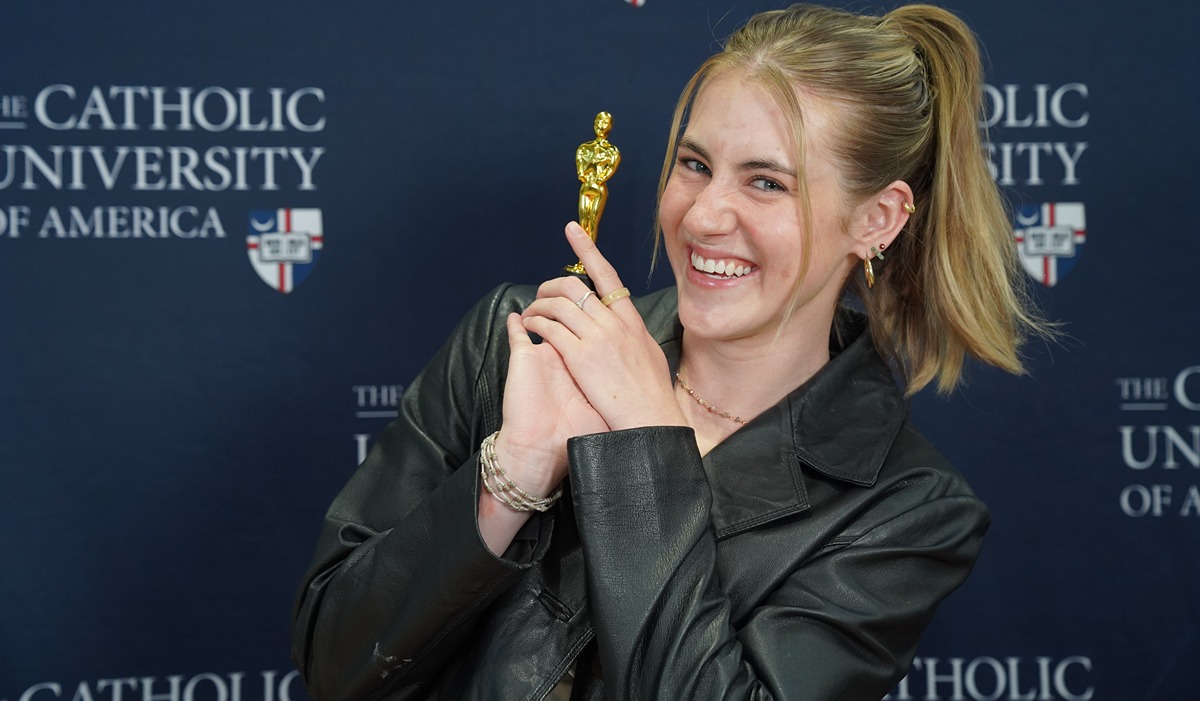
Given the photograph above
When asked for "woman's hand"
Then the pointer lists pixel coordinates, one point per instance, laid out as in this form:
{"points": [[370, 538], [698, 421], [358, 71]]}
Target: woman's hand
{"points": [[543, 407], [620, 369]]}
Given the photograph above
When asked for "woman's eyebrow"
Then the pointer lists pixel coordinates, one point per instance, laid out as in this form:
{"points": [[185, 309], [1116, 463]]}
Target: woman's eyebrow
{"points": [[768, 164], [691, 145], [753, 164]]}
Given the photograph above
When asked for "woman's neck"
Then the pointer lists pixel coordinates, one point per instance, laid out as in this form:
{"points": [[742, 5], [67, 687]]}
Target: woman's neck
{"points": [[745, 377]]}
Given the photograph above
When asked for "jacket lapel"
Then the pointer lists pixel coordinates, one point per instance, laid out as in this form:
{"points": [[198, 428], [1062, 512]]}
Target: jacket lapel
{"points": [[841, 424]]}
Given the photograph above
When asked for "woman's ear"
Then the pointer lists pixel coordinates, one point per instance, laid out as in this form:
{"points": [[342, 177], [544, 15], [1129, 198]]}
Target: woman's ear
{"points": [[881, 217]]}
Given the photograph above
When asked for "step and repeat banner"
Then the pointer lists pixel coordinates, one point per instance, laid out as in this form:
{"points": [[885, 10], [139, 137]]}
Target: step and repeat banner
{"points": [[232, 233]]}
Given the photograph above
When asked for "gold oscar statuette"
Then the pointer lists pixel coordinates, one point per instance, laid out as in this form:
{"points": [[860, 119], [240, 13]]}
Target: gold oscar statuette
{"points": [[595, 161]]}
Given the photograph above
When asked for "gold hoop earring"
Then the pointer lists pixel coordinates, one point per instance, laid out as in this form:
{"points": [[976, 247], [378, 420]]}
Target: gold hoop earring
{"points": [[910, 208], [870, 272]]}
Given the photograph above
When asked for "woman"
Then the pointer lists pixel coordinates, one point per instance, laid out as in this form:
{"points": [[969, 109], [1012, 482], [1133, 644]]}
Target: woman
{"points": [[749, 512]]}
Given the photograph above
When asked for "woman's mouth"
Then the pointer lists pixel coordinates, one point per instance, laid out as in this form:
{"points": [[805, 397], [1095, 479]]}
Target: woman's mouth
{"points": [[724, 268]]}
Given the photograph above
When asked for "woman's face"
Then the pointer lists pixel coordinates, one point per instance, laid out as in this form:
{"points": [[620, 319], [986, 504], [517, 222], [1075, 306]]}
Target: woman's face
{"points": [[731, 218]]}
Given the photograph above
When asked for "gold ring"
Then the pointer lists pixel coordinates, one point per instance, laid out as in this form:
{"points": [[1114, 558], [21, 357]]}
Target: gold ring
{"points": [[584, 299], [614, 296]]}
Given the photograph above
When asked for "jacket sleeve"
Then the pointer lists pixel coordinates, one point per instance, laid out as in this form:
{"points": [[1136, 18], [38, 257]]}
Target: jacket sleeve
{"points": [[843, 624], [400, 572]]}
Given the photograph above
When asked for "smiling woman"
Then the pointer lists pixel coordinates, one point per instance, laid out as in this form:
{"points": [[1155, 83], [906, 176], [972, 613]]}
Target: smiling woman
{"points": [[745, 510], [733, 201]]}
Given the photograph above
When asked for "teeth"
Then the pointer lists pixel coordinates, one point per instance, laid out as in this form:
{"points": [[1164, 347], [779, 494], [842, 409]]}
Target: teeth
{"points": [[719, 267]]}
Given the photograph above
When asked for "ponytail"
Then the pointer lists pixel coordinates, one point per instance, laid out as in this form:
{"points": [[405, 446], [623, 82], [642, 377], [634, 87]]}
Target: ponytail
{"points": [[957, 287]]}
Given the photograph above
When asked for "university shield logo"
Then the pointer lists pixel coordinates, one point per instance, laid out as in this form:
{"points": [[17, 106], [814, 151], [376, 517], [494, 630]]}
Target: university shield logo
{"points": [[1049, 237], [283, 245]]}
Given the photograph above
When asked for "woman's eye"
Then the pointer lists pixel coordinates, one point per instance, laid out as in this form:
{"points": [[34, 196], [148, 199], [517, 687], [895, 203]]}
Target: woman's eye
{"points": [[769, 185], [693, 165]]}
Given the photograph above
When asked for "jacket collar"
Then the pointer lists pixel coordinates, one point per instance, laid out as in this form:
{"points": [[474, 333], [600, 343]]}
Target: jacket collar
{"points": [[840, 423]]}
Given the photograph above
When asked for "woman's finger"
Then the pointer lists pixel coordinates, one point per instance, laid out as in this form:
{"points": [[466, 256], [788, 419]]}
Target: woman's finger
{"points": [[517, 336], [604, 276], [552, 331], [570, 287], [583, 317]]}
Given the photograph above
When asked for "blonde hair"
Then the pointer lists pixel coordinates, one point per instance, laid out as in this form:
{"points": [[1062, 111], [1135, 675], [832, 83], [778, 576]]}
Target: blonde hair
{"points": [[909, 87]]}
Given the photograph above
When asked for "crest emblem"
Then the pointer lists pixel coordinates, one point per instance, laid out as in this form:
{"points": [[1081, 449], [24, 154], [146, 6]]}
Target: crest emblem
{"points": [[283, 245], [1049, 238]]}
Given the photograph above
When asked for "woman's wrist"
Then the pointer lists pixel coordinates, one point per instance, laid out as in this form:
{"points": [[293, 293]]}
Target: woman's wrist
{"points": [[500, 517], [500, 485], [536, 471]]}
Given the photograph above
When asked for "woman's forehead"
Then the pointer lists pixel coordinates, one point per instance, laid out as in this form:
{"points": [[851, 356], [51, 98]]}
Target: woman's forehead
{"points": [[734, 105]]}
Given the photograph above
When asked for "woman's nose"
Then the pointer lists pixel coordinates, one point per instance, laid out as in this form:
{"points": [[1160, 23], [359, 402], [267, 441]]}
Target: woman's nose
{"points": [[712, 213]]}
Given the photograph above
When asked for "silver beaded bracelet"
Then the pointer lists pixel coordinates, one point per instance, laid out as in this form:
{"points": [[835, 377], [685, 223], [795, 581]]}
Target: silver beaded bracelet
{"points": [[498, 484]]}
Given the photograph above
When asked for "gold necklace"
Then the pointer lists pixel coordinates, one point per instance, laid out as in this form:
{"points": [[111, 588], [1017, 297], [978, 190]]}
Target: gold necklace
{"points": [[705, 404]]}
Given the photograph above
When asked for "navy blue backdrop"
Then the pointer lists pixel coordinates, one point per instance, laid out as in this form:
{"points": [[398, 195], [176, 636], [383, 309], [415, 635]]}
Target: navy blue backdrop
{"points": [[183, 387]]}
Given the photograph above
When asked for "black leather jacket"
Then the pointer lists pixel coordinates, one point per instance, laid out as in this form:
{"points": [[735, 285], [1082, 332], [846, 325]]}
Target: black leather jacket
{"points": [[799, 559]]}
